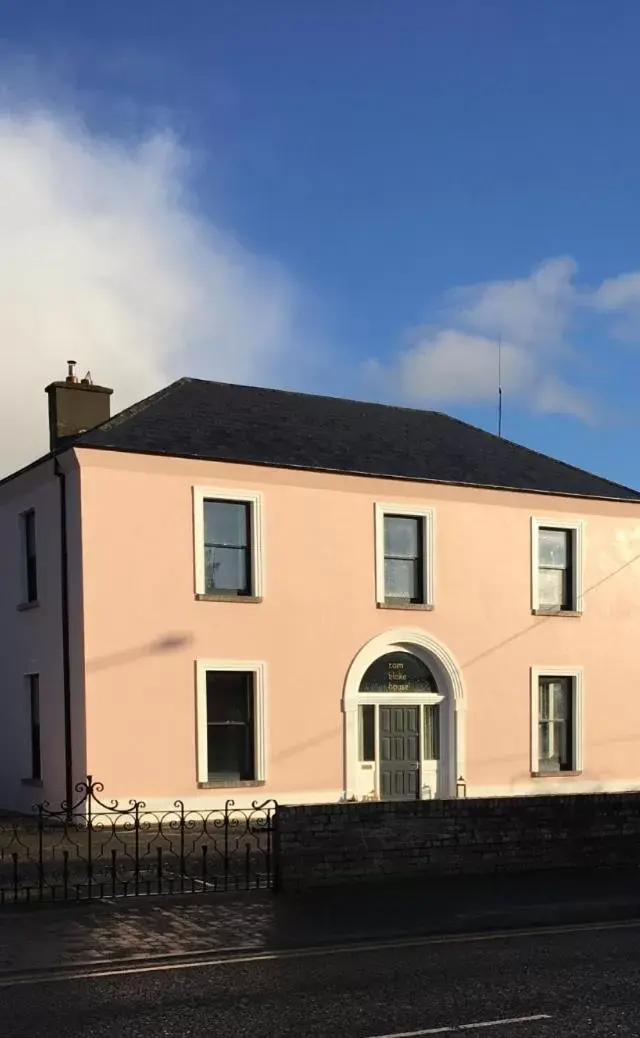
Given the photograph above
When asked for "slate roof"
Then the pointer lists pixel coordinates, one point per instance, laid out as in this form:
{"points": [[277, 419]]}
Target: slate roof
{"points": [[216, 421]]}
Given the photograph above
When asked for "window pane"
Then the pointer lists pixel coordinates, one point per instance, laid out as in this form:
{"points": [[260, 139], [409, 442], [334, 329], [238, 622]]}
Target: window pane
{"points": [[30, 533], [402, 579], [402, 536], [226, 523], [228, 696], [561, 743], [551, 588], [32, 579], [230, 753], [226, 569], [543, 704], [559, 691], [555, 750], [367, 733], [431, 732], [553, 547], [544, 745]]}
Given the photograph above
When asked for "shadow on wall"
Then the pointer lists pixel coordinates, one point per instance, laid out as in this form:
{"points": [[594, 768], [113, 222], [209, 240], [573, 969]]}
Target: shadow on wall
{"points": [[166, 644], [545, 619], [308, 744]]}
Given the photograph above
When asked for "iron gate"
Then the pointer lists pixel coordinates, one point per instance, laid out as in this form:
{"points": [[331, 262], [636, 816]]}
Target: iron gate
{"points": [[95, 849]]}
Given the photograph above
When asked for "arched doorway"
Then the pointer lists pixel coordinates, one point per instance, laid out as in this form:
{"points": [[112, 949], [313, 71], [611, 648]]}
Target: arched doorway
{"points": [[403, 737], [404, 725]]}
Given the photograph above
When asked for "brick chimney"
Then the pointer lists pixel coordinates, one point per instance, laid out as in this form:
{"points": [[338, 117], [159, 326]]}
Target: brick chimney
{"points": [[75, 406]]}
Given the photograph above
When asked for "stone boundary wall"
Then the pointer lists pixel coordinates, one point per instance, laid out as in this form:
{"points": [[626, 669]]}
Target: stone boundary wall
{"points": [[338, 843]]}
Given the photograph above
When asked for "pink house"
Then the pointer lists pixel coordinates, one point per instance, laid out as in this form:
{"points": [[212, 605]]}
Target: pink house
{"points": [[226, 592]]}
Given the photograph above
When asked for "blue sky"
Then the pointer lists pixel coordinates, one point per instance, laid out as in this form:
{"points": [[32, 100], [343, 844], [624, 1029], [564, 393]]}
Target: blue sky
{"points": [[355, 198]]}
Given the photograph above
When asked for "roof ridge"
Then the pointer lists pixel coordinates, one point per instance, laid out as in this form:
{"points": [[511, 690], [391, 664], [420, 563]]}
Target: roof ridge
{"points": [[311, 396], [120, 417]]}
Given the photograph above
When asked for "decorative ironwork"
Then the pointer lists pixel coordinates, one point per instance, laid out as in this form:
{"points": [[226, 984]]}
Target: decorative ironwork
{"points": [[96, 849]]}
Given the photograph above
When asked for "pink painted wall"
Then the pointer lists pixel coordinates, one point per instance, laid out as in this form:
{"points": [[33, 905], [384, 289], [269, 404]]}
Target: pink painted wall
{"points": [[30, 640], [319, 610]]}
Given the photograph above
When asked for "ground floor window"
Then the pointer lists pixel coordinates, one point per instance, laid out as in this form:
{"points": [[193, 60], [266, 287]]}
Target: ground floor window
{"points": [[557, 721], [230, 723], [230, 726], [556, 749], [34, 726]]}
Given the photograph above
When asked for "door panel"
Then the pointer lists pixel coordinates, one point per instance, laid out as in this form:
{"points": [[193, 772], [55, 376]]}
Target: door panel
{"points": [[399, 750]]}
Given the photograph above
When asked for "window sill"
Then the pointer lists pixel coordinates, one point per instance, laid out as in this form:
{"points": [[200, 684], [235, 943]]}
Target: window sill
{"points": [[24, 606], [424, 606], [35, 783], [233, 784], [555, 774], [228, 598], [556, 612]]}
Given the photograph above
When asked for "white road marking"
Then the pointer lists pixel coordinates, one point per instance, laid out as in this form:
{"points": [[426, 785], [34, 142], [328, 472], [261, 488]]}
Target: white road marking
{"points": [[228, 958], [468, 1027], [418, 1034], [505, 1021]]}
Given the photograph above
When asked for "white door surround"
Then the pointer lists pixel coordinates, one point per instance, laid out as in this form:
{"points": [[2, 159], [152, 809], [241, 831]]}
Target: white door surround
{"points": [[361, 778]]}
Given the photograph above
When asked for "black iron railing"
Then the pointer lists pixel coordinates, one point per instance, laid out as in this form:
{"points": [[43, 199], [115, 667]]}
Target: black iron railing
{"points": [[96, 849]]}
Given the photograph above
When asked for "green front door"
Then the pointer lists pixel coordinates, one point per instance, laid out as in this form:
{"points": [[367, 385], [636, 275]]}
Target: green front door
{"points": [[399, 752]]}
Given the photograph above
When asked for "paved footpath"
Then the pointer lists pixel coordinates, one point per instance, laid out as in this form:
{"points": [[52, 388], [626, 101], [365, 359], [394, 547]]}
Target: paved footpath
{"points": [[42, 938]]}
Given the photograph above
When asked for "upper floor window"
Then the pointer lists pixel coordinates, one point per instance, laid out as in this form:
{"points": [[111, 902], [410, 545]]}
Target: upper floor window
{"points": [[557, 567], [227, 544], [29, 559], [404, 556], [227, 547]]}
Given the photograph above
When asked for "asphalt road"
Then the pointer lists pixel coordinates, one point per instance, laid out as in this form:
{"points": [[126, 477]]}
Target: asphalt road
{"points": [[579, 984]]}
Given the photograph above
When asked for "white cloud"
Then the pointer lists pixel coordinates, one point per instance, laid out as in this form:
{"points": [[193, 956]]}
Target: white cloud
{"points": [[453, 365], [552, 395], [103, 259], [620, 298], [532, 312], [459, 363], [617, 294]]}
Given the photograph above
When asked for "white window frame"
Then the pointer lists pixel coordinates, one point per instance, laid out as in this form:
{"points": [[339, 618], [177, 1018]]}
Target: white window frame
{"points": [[576, 528], [258, 669], [248, 497], [428, 574], [575, 674]]}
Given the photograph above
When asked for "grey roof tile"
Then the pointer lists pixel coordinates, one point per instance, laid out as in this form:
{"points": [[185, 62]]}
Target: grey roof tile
{"points": [[222, 422]]}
